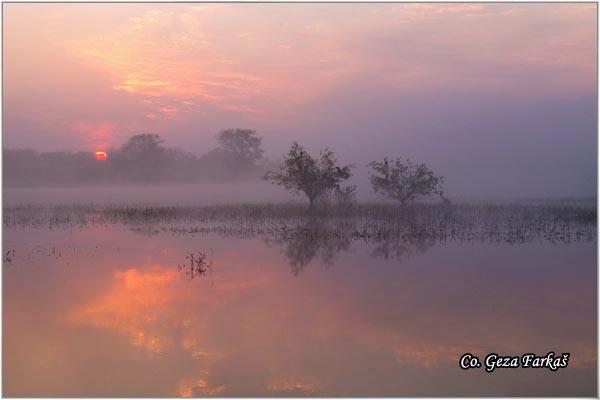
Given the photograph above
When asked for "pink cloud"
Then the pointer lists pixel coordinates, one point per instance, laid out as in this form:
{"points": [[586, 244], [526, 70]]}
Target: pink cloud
{"points": [[100, 135], [165, 67]]}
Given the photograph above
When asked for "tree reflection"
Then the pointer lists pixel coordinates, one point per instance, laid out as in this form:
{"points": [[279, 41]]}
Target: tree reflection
{"points": [[311, 241], [316, 240], [401, 249], [321, 239], [388, 232]]}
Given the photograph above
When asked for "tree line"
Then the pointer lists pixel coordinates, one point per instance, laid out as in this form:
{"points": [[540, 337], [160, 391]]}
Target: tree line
{"points": [[238, 155], [142, 158]]}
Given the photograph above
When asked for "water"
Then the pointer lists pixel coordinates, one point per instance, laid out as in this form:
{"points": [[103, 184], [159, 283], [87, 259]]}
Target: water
{"points": [[103, 310]]}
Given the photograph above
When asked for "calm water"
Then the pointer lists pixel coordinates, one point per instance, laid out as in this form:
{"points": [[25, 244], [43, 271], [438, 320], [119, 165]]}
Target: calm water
{"points": [[105, 311]]}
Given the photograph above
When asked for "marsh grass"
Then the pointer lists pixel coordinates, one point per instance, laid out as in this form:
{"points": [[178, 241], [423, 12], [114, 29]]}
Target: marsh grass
{"points": [[462, 222], [196, 264], [387, 231]]}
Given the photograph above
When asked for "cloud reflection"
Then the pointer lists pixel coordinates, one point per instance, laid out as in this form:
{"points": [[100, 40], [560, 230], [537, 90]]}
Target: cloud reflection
{"points": [[256, 320]]}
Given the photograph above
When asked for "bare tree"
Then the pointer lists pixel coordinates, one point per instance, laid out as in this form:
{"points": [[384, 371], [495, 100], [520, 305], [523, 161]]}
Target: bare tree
{"points": [[301, 173], [403, 180]]}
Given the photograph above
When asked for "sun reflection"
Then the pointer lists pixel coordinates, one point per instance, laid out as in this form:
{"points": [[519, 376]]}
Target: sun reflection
{"points": [[198, 387], [291, 386], [243, 322], [134, 306], [431, 356]]}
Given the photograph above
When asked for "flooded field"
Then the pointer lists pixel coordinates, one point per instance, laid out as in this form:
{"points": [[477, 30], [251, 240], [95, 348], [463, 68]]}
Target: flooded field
{"points": [[265, 300], [357, 200]]}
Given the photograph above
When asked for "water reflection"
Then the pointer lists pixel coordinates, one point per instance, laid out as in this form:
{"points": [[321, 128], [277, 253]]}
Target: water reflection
{"points": [[197, 264], [309, 242], [401, 249], [122, 319], [315, 242], [136, 305], [318, 240]]}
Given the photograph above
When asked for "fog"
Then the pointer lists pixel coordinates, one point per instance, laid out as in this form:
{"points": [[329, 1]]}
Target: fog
{"points": [[484, 144], [154, 194], [298, 199], [499, 99]]}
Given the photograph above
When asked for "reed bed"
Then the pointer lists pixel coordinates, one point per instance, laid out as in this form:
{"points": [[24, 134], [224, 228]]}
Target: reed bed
{"points": [[463, 222]]}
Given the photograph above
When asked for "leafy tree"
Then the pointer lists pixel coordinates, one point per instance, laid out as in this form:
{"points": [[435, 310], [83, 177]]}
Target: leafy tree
{"points": [[403, 180], [144, 145], [144, 158], [244, 145], [301, 173]]}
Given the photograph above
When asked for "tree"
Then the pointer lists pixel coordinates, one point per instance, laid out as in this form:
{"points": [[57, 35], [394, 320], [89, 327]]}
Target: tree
{"points": [[144, 158], [301, 173], [244, 145], [143, 145], [403, 180]]}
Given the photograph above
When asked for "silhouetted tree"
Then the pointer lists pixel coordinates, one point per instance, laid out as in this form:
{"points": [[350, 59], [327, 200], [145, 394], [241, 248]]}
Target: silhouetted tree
{"points": [[144, 145], [403, 180], [144, 158], [301, 173], [244, 145], [184, 164]]}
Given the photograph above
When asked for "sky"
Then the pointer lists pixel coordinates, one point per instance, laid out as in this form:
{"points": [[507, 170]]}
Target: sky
{"points": [[501, 99]]}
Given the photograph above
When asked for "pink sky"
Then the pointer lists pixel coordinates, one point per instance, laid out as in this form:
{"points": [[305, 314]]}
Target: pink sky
{"points": [[84, 75], [87, 76]]}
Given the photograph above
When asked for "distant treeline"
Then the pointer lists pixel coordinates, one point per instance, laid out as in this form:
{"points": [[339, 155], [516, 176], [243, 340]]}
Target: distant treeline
{"points": [[143, 158]]}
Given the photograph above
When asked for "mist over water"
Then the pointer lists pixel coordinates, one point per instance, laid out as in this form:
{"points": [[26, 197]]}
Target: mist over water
{"points": [[204, 200], [158, 194]]}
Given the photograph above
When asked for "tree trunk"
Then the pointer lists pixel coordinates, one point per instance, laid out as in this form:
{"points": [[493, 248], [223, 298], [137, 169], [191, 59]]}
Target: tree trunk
{"points": [[406, 200]]}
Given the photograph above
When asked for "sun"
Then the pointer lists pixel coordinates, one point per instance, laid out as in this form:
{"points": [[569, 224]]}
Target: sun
{"points": [[100, 155]]}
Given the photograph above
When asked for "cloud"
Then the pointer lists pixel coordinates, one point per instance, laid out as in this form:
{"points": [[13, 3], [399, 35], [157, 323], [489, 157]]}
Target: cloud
{"points": [[404, 73], [99, 135]]}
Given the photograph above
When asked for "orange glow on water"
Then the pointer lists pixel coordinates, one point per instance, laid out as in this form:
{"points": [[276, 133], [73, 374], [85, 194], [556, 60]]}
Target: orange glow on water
{"points": [[100, 155]]}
